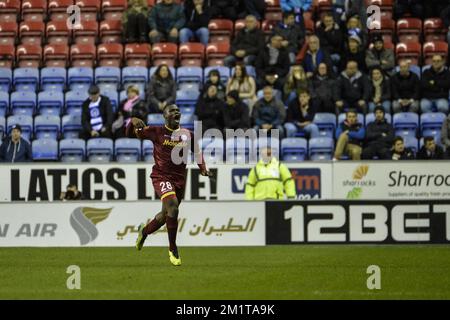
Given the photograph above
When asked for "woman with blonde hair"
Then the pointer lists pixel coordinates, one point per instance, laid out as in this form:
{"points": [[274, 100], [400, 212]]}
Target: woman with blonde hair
{"points": [[131, 107], [296, 81], [244, 84]]}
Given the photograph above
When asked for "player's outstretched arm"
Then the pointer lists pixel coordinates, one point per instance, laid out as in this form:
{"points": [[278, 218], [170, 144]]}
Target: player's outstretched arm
{"points": [[132, 130]]}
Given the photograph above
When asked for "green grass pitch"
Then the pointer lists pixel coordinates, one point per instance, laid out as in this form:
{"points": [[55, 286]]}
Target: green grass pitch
{"points": [[272, 272]]}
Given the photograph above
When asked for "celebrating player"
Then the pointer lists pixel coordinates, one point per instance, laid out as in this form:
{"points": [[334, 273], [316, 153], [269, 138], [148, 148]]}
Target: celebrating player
{"points": [[168, 176]]}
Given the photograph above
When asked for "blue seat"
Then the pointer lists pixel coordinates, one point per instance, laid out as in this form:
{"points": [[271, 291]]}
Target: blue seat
{"points": [[187, 121], [431, 124], [2, 127], [127, 150], [50, 102], [147, 150], [5, 79], [47, 127], [411, 142], [25, 121], [188, 110], [135, 76], [155, 119], [213, 149], [53, 79], [294, 149], [44, 149], [80, 78], [238, 150], [26, 79], [99, 149], [113, 97], [4, 103], [71, 126], [74, 101], [370, 117], [108, 78], [224, 72], [23, 102], [326, 122], [406, 124], [187, 98], [359, 116], [72, 150], [189, 78], [321, 148], [172, 70]]}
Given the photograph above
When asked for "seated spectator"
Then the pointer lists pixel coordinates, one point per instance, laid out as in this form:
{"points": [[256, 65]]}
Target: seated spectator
{"points": [[224, 9], [214, 80], [353, 52], [165, 20], [96, 115], [15, 148], [430, 150], [379, 137], [131, 107], [271, 66], [300, 116], [350, 136], [405, 90], [433, 8], [331, 37], [134, 21], [314, 56], [412, 7], [247, 44], [435, 86], [379, 56], [324, 85], [293, 35], [296, 81], [352, 90], [244, 84], [445, 135], [197, 20], [338, 10], [256, 8], [269, 113], [296, 6], [399, 152], [356, 28], [161, 90], [235, 113], [445, 16], [379, 91], [209, 110]]}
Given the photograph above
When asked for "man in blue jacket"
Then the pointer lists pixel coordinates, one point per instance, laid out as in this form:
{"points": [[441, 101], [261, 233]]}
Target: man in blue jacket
{"points": [[350, 136], [15, 148]]}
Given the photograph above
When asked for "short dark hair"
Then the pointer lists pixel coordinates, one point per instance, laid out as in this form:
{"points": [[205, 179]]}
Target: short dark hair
{"points": [[302, 91], [351, 111], [398, 138], [288, 14], [427, 139]]}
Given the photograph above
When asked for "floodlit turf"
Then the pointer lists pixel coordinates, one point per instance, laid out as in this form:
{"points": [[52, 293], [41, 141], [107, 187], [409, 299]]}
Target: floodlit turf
{"points": [[273, 272]]}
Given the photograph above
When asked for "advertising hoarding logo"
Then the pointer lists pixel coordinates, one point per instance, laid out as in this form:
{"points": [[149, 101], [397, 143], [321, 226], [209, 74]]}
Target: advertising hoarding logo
{"points": [[84, 220], [358, 182]]}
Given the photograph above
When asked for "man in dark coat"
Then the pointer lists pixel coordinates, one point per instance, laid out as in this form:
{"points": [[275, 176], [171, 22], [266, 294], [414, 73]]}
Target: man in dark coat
{"points": [[379, 137]]}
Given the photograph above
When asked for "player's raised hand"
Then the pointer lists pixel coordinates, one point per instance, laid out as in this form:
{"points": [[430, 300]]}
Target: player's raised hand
{"points": [[137, 123]]}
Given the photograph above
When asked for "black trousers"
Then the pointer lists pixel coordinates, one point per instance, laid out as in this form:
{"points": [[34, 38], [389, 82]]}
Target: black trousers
{"points": [[225, 12], [379, 150], [136, 27]]}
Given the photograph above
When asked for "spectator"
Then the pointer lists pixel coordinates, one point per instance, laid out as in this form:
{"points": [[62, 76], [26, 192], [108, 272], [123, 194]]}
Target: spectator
{"points": [[271, 66], [197, 20], [445, 135], [297, 6], [131, 107], [324, 85], [412, 7], [350, 136], [433, 8], [293, 35], [300, 116], [445, 16], [15, 148], [353, 52], [244, 84], [247, 44], [379, 91], [356, 28], [236, 114], [256, 8], [161, 90], [269, 113], [379, 56], [352, 90], [435, 86], [430, 151], [379, 137], [405, 90], [96, 115], [224, 9], [134, 21], [331, 37], [71, 193], [399, 152], [214, 80], [209, 110], [314, 56], [295, 81], [165, 20]]}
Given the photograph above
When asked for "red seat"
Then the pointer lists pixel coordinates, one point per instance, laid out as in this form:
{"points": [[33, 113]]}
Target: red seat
{"points": [[34, 10], [83, 55], [58, 32], [113, 9], [56, 55], [216, 52], [191, 54], [385, 6], [86, 32], [220, 30], [386, 27], [111, 31], [29, 56], [309, 27], [110, 54], [8, 32], [7, 55], [273, 10], [411, 51], [31, 32], [57, 9], [137, 55], [409, 29], [164, 53], [434, 30], [324, 6], [432, 48], [9, 10], [89, 9]]}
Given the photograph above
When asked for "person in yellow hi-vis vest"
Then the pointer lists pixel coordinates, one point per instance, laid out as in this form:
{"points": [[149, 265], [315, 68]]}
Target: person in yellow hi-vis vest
{"points": [[269, 179]]}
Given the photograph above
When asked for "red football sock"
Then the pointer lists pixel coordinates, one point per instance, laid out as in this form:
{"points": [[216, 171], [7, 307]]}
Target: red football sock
{"points": [[152, 226], [172, 228]]}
